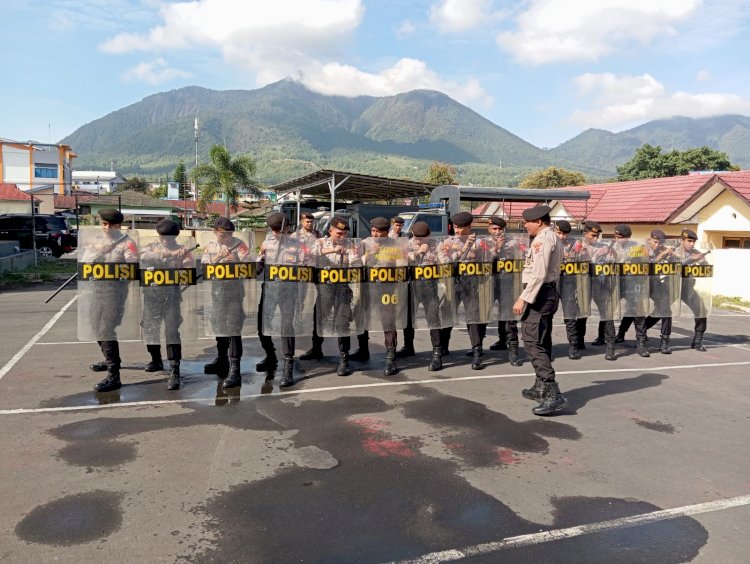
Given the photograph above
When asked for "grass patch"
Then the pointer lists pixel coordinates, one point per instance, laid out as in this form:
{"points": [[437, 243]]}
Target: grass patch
{"points": [[732, 303], [47, 270]]}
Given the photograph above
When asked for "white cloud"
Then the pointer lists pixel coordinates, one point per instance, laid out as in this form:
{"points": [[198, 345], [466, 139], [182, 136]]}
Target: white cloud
{"points": [[285, 38], [456, 16], [581, 30], [623, 101], [703, 76], [153, 72], [406, 28]]}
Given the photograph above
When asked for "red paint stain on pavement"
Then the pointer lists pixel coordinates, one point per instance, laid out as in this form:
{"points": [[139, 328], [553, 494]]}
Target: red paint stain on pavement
{"points": [[507, 456], [377, 441]]}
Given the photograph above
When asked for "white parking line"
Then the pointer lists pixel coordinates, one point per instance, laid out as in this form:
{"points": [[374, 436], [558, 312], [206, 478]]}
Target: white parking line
{"points": [[19, 355], [580, 530], [288, 393]]}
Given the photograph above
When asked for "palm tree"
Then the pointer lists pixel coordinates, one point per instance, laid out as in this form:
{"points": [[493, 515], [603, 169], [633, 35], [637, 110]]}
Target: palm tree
{"points": [[224, 176]]}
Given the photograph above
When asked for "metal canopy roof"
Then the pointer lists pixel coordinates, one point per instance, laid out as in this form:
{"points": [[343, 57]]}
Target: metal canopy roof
{"points": [[454, 195], [352, 186]]}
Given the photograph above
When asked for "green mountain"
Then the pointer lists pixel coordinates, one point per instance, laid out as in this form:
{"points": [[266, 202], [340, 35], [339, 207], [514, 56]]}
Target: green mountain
{"points": [[290, 131]]}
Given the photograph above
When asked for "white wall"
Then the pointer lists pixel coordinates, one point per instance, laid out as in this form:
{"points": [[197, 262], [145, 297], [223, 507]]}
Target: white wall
{"points": [[731, 272]]}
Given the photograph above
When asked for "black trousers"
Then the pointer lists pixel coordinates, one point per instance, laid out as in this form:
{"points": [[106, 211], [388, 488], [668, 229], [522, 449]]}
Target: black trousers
{"points": [[507, 332], [576, 331], [231, 345], [536, 330], [266, 342], [174, 352], [666, 324], [640, 326], [111, 352]]}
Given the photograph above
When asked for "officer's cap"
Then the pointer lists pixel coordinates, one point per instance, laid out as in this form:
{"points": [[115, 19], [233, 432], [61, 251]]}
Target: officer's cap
{"points": [[111, 215], [339, 222], [223, 223], [306, 215], [623, 230], [689, 234], [658, 234], [397, 219], [380, 223], [420, 229], [462, 219], [499, 221], [563, 226], [276, 220], [537, 212], [167, 227], [592, 226]]}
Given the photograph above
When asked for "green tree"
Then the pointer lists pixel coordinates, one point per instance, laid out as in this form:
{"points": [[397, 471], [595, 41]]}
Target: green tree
{"points": [[160, 191], [224, 176], [136, 184], [649, 162], [441, 173], [552, 177], [181, 177]]}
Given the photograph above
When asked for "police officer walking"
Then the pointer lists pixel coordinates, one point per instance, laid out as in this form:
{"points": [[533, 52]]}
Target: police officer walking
{"points": [[695, 268], [102, 300], [537, 305], [574, 290]]}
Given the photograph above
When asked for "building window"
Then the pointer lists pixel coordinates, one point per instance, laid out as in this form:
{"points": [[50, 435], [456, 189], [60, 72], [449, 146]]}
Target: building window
{"points": [[44, 170], [736, 243]]}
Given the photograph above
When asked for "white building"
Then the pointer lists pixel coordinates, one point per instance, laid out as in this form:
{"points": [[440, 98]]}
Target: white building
{"points": [[30, 165], [97, 181]]}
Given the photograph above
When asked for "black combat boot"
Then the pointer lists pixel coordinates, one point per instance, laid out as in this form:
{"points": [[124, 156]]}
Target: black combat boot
{"points": [[609, 352], [287, 377], [406, 350], [535, 392], [552, 400], [664, 345], [218, 366], [99, 366], [573, 353], [599, 341], [111, 381], [316, 352], [513, 357], [436, 362], [268, 363], [697, 343], [173, 382], [343, 367], [477, 354], [390, 364], [500, 345], [641, 347], [234, 378], [156, 364], [362, 354], [620, 337]]}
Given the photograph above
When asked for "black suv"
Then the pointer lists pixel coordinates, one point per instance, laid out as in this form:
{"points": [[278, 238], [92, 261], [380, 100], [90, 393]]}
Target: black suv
{"points": [[52, 235]]}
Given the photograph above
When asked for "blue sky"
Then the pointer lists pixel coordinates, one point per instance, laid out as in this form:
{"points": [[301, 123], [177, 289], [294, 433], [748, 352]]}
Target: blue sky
{"points": [[543, 69]]}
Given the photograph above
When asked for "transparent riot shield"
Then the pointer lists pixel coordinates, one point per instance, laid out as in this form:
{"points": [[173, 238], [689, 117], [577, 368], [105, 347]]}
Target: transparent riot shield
{"points": [[386, 274], [605, 280], [697, 280], [666, 279], [475, 272], [109, 305], [575, 280], [510, 251], [338, 281], [228, 283], [431, 288], [633, 260], [168, 279], [288, 287]]}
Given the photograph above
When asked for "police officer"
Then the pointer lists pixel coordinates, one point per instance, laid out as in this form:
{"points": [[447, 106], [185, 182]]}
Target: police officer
{"points": [[461, 247], [627, 251], [309, 236], [537, 305], [425, 251], [690, 256], [573, 252], [335, 300], [163, 304], [661, 291], [604, 288], [108, 303], [379, 251], [282, 295], [397, 226], [507, 329], [227, 296]]}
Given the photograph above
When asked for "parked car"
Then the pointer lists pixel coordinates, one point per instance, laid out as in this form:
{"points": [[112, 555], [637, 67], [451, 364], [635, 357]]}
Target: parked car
{"points": [[52, 235]]}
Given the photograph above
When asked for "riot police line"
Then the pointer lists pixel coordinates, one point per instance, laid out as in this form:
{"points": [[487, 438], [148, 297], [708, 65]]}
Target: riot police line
{"points": [[158, 289]]}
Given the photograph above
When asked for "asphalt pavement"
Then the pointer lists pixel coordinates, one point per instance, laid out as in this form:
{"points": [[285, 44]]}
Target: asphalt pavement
{"points": [[647, 464]]}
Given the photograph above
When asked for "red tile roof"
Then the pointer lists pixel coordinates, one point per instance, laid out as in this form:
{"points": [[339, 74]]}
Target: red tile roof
{"points": [[11, 192], [214, 207], [69, 202], [738, 181]]}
